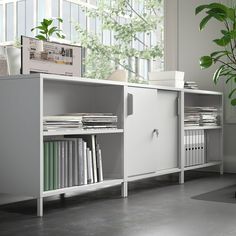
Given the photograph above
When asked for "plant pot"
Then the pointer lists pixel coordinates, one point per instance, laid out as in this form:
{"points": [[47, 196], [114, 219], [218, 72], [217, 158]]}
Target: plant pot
{"points": [[119, 75], [14, 60]]}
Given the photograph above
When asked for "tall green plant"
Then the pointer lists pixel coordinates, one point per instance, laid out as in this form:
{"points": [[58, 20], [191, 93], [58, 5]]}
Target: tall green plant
{"points": [[226, 56], [46, 29], [125, 33]]}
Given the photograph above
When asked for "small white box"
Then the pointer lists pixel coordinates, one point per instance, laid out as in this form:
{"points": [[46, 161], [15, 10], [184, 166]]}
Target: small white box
{"points": [[166, 75], [169, 83], [167, 78]]}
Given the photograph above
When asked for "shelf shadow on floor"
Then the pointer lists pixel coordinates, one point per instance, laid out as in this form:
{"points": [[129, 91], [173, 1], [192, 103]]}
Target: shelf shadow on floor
{"points": [[224, 195]]}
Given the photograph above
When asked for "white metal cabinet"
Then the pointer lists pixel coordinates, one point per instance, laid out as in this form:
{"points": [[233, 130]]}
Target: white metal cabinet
{"points": [[167, 123], [141, 146], [152, 129]]}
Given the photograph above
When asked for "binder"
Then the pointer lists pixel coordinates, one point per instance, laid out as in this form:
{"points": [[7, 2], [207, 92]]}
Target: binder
{"points": [[85, 177], [70, 163], [80, 161], [191, 147], [203, 147], [186, 148], [62, 164], [66, 165], [194, 148]]}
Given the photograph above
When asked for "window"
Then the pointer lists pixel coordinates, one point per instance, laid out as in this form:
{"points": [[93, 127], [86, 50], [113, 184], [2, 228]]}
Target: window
{"points": [[27, 13]]}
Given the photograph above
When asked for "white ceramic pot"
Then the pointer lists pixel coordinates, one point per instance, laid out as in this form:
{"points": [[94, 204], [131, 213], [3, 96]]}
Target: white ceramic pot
{"points": [[13, 59], [119, 75]]}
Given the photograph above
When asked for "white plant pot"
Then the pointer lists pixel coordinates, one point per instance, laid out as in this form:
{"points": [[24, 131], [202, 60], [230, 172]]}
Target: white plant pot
{"points": [[14, 60]]}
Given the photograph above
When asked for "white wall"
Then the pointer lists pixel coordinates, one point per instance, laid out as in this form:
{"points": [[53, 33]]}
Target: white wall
{"points": [[192, 44]]}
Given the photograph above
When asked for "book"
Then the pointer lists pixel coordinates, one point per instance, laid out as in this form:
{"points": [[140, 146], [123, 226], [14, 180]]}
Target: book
{"points": [[66, 165], [70, 163], [62, 177], [80, 161], [46, 166], [51, 166], [55, 165], [85, 175], [89, 166], [99, 163]]}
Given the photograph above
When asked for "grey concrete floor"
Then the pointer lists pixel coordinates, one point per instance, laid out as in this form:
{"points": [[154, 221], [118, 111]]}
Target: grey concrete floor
{"points": [[203, 206]]}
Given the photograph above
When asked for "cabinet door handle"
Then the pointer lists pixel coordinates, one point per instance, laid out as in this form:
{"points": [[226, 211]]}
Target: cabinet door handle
{"points": [[130, 105], [156, 131]]}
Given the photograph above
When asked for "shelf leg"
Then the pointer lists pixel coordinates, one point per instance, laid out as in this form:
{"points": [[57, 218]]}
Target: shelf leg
{"points": [[40, 206], [124, 189], [181, 177]]}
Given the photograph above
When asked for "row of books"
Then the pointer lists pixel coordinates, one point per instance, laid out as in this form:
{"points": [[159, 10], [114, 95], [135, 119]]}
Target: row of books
{"points": [[80, 121], [201, 116], [71, 162], [194, 141]]}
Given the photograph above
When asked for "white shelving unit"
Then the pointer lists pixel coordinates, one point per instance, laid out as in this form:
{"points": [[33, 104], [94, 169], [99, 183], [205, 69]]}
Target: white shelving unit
{"points": [[213, 134], [149, 141]]}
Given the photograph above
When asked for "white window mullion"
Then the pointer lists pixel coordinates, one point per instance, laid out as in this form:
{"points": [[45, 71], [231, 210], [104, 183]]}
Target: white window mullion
{"points": [[60, 13], [4, 22], [14, 20]]}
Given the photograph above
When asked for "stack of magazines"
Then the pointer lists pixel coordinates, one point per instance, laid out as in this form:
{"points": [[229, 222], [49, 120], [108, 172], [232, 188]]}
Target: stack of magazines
{"points": [[209, 116], [201, 116], [191, 116], [190, 85], [80, 121]]}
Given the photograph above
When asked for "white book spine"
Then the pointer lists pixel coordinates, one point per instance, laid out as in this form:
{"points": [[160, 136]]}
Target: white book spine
{"points": [[62, 164], [66, 165], [75, 163], [203, 147], [80, 161], [59, 164], [186, 148], [70, 163], [85, 177], [89, 166], [95, 178], [99, 163]]}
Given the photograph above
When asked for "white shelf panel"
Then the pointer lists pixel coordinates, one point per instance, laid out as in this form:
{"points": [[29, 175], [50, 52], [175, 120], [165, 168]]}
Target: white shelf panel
{"points": [[202, 127], [213, 163], [154, 174], [206, 92], [83, 188], [82, 132]]}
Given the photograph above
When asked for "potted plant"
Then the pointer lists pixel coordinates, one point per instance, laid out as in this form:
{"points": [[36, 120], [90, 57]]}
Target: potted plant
{"points": [[225, 57], [102, 60], [47, 29]]}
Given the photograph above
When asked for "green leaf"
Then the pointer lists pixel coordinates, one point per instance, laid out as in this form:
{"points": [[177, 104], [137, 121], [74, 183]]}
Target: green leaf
{"points": [[52, 30], [40, 37], [200, 8], [205, 62], [60, 19], [233, 102], [231, 93], [217, 73], [223, 41], [204, 21]]}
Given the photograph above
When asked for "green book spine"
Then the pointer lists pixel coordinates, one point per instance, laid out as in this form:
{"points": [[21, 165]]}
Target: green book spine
{"points": [[55, 165], [46, 166], [51, 166]]}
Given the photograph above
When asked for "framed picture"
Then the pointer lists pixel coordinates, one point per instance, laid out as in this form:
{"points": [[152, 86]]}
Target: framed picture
{"points": [[50, 57]]}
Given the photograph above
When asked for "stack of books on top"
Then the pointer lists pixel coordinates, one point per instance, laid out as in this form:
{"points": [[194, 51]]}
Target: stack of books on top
{"points": [[191, 116], [71, 162], [201, 116], [80, 121], [190, 85], [209, 116]]}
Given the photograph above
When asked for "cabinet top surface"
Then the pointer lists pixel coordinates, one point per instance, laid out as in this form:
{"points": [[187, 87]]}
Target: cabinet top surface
{"points": [[96, 82]]}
